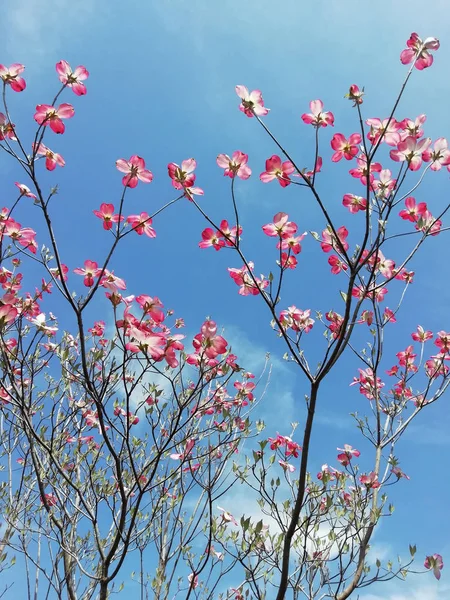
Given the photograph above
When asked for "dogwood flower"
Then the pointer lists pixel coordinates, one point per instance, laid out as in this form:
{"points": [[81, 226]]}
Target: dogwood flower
{"points": [[419, 51], [72, 79], [388, 130], [370, 480], [354, 203], [134, 170], [90, 271], [275, 169], [142, 224], [6, 129], [345, 148], [235, 166], [49, 115], [25, 190], [252, 103], [421, 335], [439, 156], [281, 226], [106, 213], [411, 150], [51, 158], [355, 94], [434, 563], [10, 76], [317, 117]]}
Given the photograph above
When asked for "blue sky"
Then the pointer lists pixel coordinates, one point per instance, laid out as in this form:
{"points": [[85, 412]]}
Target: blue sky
{"points": [[162, 86]]}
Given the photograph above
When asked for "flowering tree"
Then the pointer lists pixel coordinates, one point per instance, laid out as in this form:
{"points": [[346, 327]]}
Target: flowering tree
{"points": [[118, 440]]}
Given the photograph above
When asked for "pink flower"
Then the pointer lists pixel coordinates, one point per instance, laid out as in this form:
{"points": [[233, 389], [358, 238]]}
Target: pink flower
{"points": [[411, 150], [336, 264], [51, 158], [317, 168], [227, 517], [406, 359], [389, 316], [291, 242], [443, 341], [211, 238], [419, 51], [142, 224], [135, 171], [248, 285], [275, 169], [366, 317], [25, 190], [90, 271], [188, 447], [316, 117], [355, 94], [8, 313], [354, 203], [72, 79], [435, 563], [428, 224], [286, 466], [182, 177], [345, 148], [413, 128], [413, 211], [49, 115], [112, 282], [384, 185], [367, 385], [370, 480], [6, 129], [347, 453], [106, 213], [421, 335], [50, 499], [193, 581], [399, 473], [230, 234], [152, 307], [251, 103], [439, 156], [10, 76], [281, 226], [236, 165], [146, 340], [296, 319], [331, 243], [287, 262], [387, 130], [208, 342], [335, 325], [362, 172]]}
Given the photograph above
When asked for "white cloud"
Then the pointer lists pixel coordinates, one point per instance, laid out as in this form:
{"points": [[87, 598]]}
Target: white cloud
{"points": [[32, 29]]}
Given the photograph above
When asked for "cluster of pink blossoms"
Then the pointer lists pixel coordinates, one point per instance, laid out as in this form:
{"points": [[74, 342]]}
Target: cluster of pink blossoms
{"points": [[285, 231], [9, 228], [236, 166], [420, 216], [148, 334], [249, 284], [217, 239], [286, 448], [298, 320], [209, 346], [141, 224], [183, 177]]}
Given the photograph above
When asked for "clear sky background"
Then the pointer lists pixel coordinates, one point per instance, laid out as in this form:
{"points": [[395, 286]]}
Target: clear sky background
{"points": [[162, 77]]}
